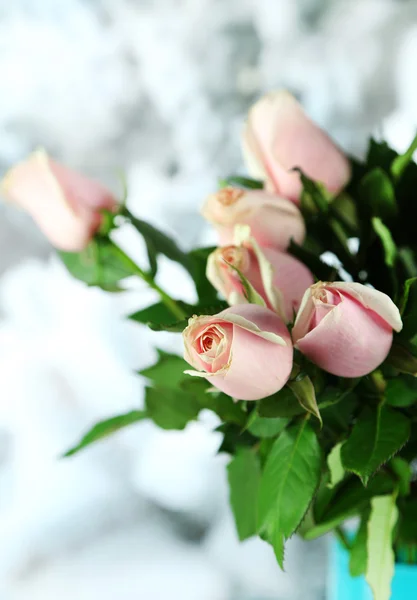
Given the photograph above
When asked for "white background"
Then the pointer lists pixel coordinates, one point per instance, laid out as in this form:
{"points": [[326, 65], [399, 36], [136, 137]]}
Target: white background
{"points": [[158, 88]]}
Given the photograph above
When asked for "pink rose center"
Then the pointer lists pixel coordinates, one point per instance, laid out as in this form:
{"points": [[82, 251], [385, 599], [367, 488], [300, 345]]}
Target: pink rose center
{"points": [[213, 346], [324, 302], [229, 196]]}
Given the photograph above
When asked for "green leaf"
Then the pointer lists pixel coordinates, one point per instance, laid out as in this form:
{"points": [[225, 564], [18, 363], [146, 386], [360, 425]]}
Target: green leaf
{"points": [[288, 484], [244, 474], [101, 264], [402, 470], [401, 391], [376, 437], [408, 284], [234, 438], [377, 191], [168, 371], [400, 163], [314, 194], [380, 155], [403, 358], [265, 427], [350, 499], [157, 243], [282, 404], [408, 308], [245, 182], [334, 462], [159, 318], [171, 408], [358, 552], [381, 558], [105, 428], [224, 406], [303, 389], [206, 292], [388, 244]]}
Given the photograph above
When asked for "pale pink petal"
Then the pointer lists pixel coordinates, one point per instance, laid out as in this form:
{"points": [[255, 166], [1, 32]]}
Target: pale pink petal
{"points": [[258, 368], [350, 341], [305, 315], [279, 136], [274, 221], [372, 299], [65, 211], [291, 277], [81, 191]]}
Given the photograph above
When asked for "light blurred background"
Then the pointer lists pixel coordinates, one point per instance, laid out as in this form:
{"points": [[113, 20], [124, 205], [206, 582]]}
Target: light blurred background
{"points": [[158, 89]]}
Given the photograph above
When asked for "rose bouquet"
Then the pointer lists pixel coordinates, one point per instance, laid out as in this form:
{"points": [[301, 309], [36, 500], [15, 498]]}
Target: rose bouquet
{"points": [[302, 337]]}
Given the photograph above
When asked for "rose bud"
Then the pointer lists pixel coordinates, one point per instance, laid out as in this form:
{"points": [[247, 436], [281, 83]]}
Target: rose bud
{"points": [[345, 328], [244, 351], [279, 136], [281, 285], [273, 221], [65, 205]]}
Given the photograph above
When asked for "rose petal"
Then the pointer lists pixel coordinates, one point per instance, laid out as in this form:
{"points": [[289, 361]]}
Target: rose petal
{"points": [[350, 341], [372, 299]]}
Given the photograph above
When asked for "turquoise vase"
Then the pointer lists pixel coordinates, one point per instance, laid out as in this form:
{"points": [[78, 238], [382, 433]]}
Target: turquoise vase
{"points": [[341, 586]]}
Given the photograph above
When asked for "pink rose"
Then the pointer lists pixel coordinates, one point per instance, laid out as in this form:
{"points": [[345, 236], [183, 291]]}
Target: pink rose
{"points": [[274, 221], [345, 328], [245, 351], [65, 205], [282, 286], [278, 136]]}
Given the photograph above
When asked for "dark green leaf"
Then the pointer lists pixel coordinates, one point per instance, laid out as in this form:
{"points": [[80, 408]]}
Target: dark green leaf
{"points": [[206, 292], [168, 371], [245, 182], [377, 191], [350, 499], [234, 437], [400, 163], [101, 264], [321, 271], [159, 318], [106, 428], [303, 389], [408, 308], [265, 427], [388, 244], [403, 357], [288, 483], [402, 470], [401, 391], [407, 532], [380, 155], [224, 406], [314, 194], [282, 404], [171, 408], [358, 552], [244, 474], [376, 437], [157, 243]]}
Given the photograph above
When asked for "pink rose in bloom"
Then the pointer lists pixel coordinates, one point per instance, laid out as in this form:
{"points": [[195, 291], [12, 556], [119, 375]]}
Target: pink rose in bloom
{"points": [[279, 136], [346, 328], [282, 287], [64, 204], [274, 221], [245, 351]]}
